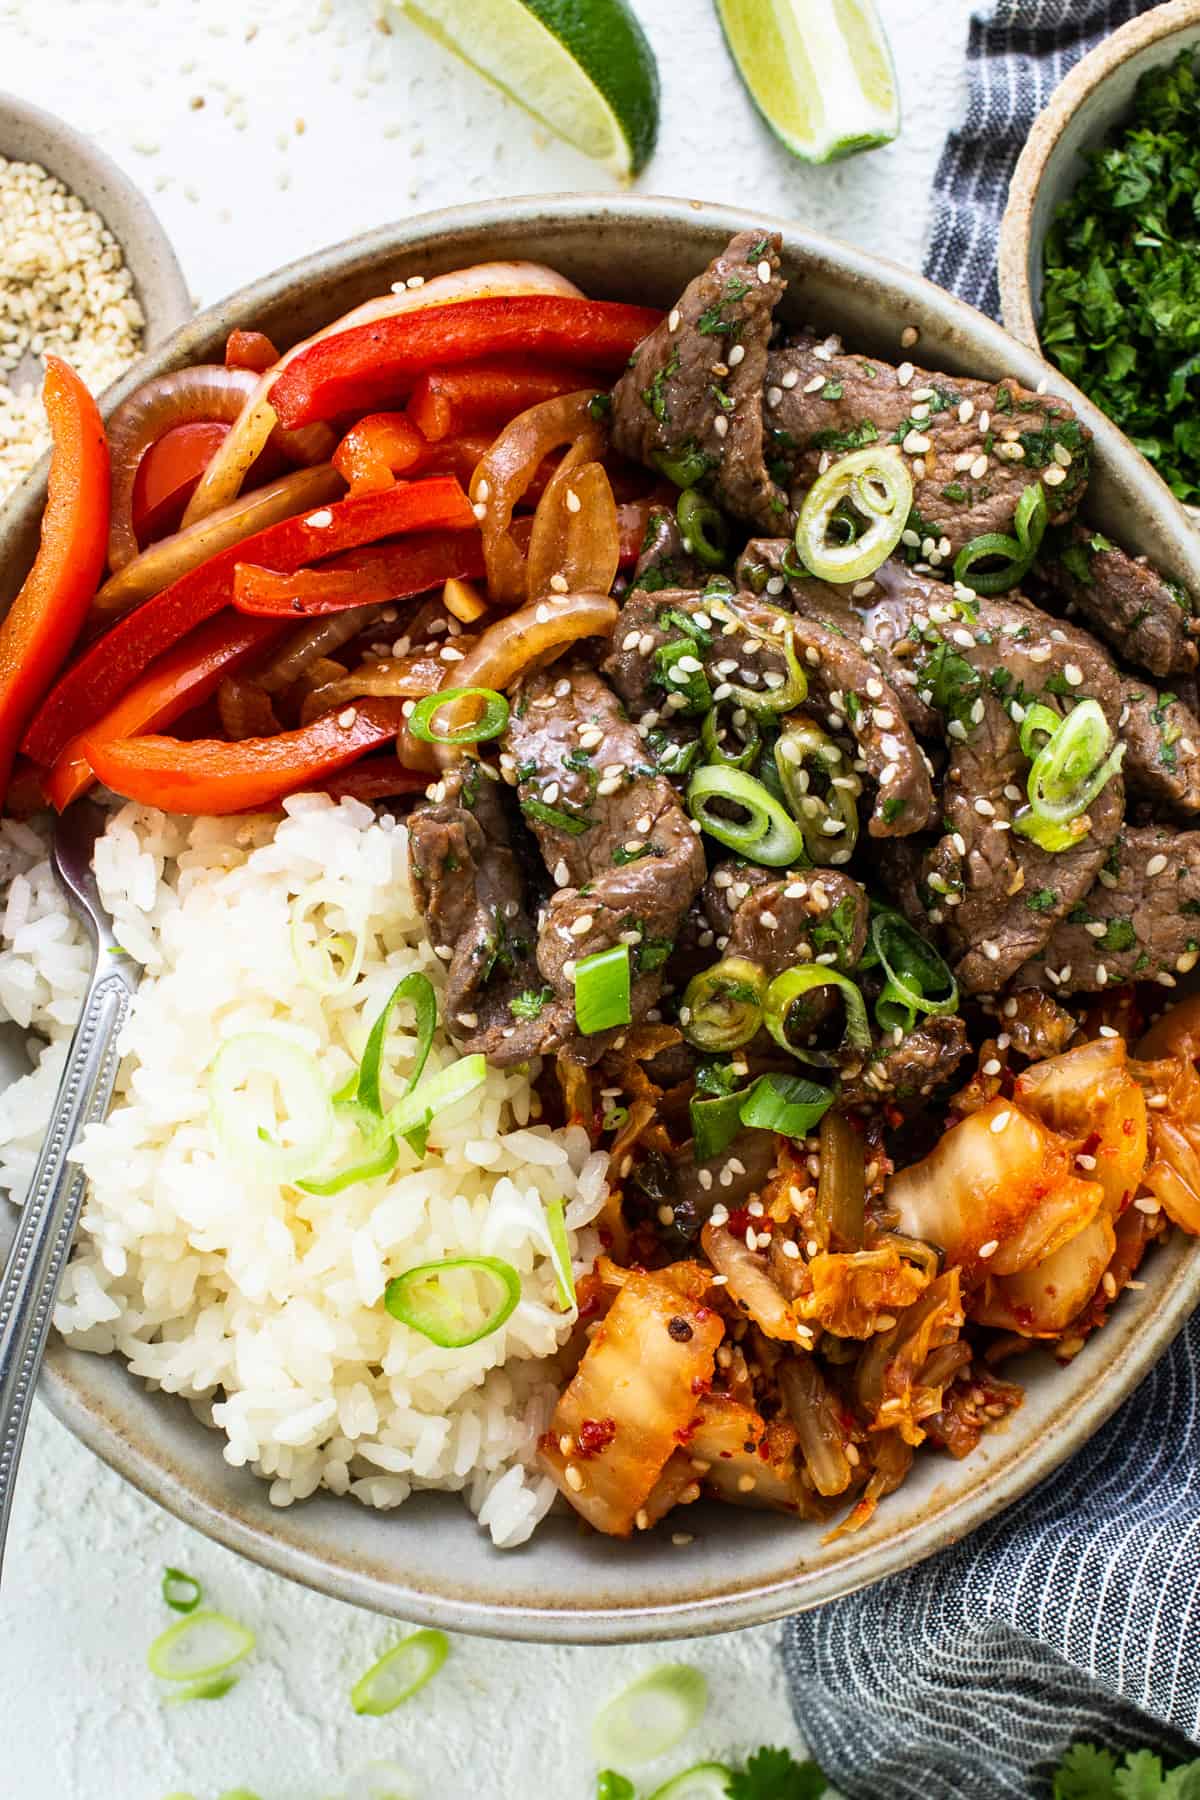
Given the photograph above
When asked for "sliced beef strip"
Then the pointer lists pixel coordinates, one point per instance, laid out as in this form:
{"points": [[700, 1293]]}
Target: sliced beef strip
{"points": [[1147, 619], [910, 1070], [778, 920], [621, 851], [971, 446], [1140, 921], [695, 385], [997, 895], [744, 647], [663, 562], [1161, 735], [465, 864]]}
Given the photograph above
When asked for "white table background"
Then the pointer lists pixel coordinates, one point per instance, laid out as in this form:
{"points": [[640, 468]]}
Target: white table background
{"points": [[316, 125]]}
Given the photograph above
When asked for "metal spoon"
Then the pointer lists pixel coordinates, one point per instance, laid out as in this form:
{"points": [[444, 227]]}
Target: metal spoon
{"points": [[47, 1221]]}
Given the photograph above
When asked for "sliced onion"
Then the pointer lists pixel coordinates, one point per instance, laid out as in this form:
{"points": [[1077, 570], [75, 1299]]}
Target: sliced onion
{"points": [[247, 1129], [398, 678], [245, 710], [310, 644], [223, 478], [157, 567], [506, 472], [575, 535]]}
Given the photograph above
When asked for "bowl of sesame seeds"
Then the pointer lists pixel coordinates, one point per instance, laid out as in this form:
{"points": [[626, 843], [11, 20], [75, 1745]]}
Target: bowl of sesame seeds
{"points": [[86, 271]]}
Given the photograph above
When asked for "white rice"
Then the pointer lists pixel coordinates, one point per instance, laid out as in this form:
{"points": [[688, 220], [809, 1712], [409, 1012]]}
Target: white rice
{"points": [[260, 1304]]}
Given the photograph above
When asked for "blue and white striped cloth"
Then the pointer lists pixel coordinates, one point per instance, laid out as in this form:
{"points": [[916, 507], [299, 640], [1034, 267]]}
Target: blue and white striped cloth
{"points": [[1076, 1614]]}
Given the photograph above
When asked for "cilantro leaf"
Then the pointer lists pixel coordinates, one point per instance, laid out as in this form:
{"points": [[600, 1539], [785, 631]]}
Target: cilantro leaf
{"points": [[1140, 1777], [772, 1774], [1086, 1773]]}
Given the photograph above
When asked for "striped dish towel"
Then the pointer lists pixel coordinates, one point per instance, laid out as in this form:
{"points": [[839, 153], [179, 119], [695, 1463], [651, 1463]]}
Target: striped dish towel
{"points": [[1076, 1614]]}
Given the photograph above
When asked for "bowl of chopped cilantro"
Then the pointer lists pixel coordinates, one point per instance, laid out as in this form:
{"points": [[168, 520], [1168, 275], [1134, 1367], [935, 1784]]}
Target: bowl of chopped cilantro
{"points": [[1100, 243]]}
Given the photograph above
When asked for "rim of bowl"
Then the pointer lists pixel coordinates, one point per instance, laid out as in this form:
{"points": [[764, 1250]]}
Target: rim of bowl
{"points": [[703, 1604], [87, 171], [1092, 70]]}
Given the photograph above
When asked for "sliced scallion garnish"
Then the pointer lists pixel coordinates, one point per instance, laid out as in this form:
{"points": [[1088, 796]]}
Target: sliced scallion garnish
{"points": [[706, 534], [248, 1073], [332, 963], [854, 514], [611, 1786], [215, 1688], [602, 984], [918, 978], [651, 1715], [1070, 771], [417, 1110], [400, 1673], [442, 1300], [787, 1104], [181, 1592], [805, 978], [827, 810], [714, 739], [765, 835], [1008, 558], [489, 724], [704, 1781], [200, 1647], [722, 1006], [560, 1254]]}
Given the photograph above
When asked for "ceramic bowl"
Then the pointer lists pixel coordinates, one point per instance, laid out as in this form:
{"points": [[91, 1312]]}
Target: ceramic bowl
{"points": [[1094, 97], [428, 1561]]}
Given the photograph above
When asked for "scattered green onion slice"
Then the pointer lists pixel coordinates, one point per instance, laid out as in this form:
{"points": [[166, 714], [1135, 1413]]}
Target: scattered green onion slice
{"points": [[1039, 725], [704, 528], [747, 733], [767, 836], [918, 979], [1017, 552], [215, 1688], [257, 1060], [602, 983], [786, 1103], [722, 1006], [441, 1299], [489, 725], [198, 1647], [651, 1715], [715, 1124], [611, 1786], [1070, 771], [560, 1254], [381, 1163], [181, 1592], [416, 1111], [869, 487], [794, 688], [417, 990], [787, 988], [704, 1781], [401, 1673], [683, 467], [827, 813], [330, 964]]}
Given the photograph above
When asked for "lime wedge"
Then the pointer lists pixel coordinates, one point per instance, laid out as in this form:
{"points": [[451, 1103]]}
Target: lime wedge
{"points": [[582, 67], [819, 71]]}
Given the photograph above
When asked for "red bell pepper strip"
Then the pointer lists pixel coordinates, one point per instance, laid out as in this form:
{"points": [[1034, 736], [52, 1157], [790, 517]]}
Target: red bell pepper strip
{"points": [[378, 778], [479, 396], [111, 663], [376, 450], [185, 677], [208, 775], [362, 578], [355, 371], [250, 350], [46, 615], [168, 473]]}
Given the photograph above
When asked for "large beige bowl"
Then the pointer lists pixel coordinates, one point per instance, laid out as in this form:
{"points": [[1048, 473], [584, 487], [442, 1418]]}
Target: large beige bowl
{"points": [[428, 1561], [1084, 108]]}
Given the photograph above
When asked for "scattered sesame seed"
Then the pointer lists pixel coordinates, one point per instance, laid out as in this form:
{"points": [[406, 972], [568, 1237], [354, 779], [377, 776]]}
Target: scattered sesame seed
{"points": [[1156, 864], [1054, 476], [721, 425], [735, 356], [673, 319], [993, 1244], [909, 336], [574, 1479]]}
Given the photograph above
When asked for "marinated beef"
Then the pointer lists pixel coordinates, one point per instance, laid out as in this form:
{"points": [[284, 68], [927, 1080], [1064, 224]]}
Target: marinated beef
{"points": [[1139, 922], [910, 1070], [663, 562], [1162, 745], [1147, 619], [692, 398], [777, 921], [622, 853]]}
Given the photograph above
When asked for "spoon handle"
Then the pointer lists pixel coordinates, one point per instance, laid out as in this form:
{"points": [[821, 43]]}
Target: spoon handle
{"points": [[47, 1221]]}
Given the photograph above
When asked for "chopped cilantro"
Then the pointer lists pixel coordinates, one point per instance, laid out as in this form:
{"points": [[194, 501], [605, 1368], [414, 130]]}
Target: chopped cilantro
{"points": [[673, 618], [599, 406], [655, 396], [837, 931], [856, 437], [621, 855], [556, 817], [691, 684], [1044, 900], [776, 1775], [1119, 935], [956, 493], [892, 808], [529, 1004], [833, 390], [652, 953]]}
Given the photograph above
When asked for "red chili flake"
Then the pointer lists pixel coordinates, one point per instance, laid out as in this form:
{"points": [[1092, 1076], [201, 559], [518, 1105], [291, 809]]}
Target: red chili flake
{"points": [[595, 1435], [700, 1386], [1128, 1127], [740, 1221], [764, 1451], [1091, 1144]]}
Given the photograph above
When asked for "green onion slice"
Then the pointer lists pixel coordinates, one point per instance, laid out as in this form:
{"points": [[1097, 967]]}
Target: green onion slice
{"points": [[254, 1077], [766, 835], [332, 963], [602, 983], [703, 1781], [743, 729], [611, 1786], [787, 988], [1040, 724], [786, 1103], [203, 1645], [704, 528], [1075, 765], [442, 1300], [821, 788], [417, 990], [181, 1592], [918, 978], [651, 1715], [794, 688], [382, 1162], [488, 724], [560, 1254], [723, 1005], [682, 467], [715, 1124], [214, 1689], [1016, 553], [853, 516], [416, 1111], [400, 1673]]}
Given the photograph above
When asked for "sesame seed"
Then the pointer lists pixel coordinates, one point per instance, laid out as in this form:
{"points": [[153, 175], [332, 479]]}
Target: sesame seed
{"points": [[984, 808], [993, 1244], [764, 271], [573, 1478], [559, 583], [347, 718], [320, 519], [1156, 864], [909, 336], [774, 396], [1054, 476], [789, 380], [991, 1067], [966, 411], [721, 425], [735, 356], [1148, 1206], [979, 468], [815, 385], [480, 510], [1073, 674], [916, 443], [673, 319]]}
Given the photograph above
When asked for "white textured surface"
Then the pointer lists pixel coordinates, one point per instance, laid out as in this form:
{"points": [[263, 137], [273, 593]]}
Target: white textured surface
{"points": [[390, 127]]}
